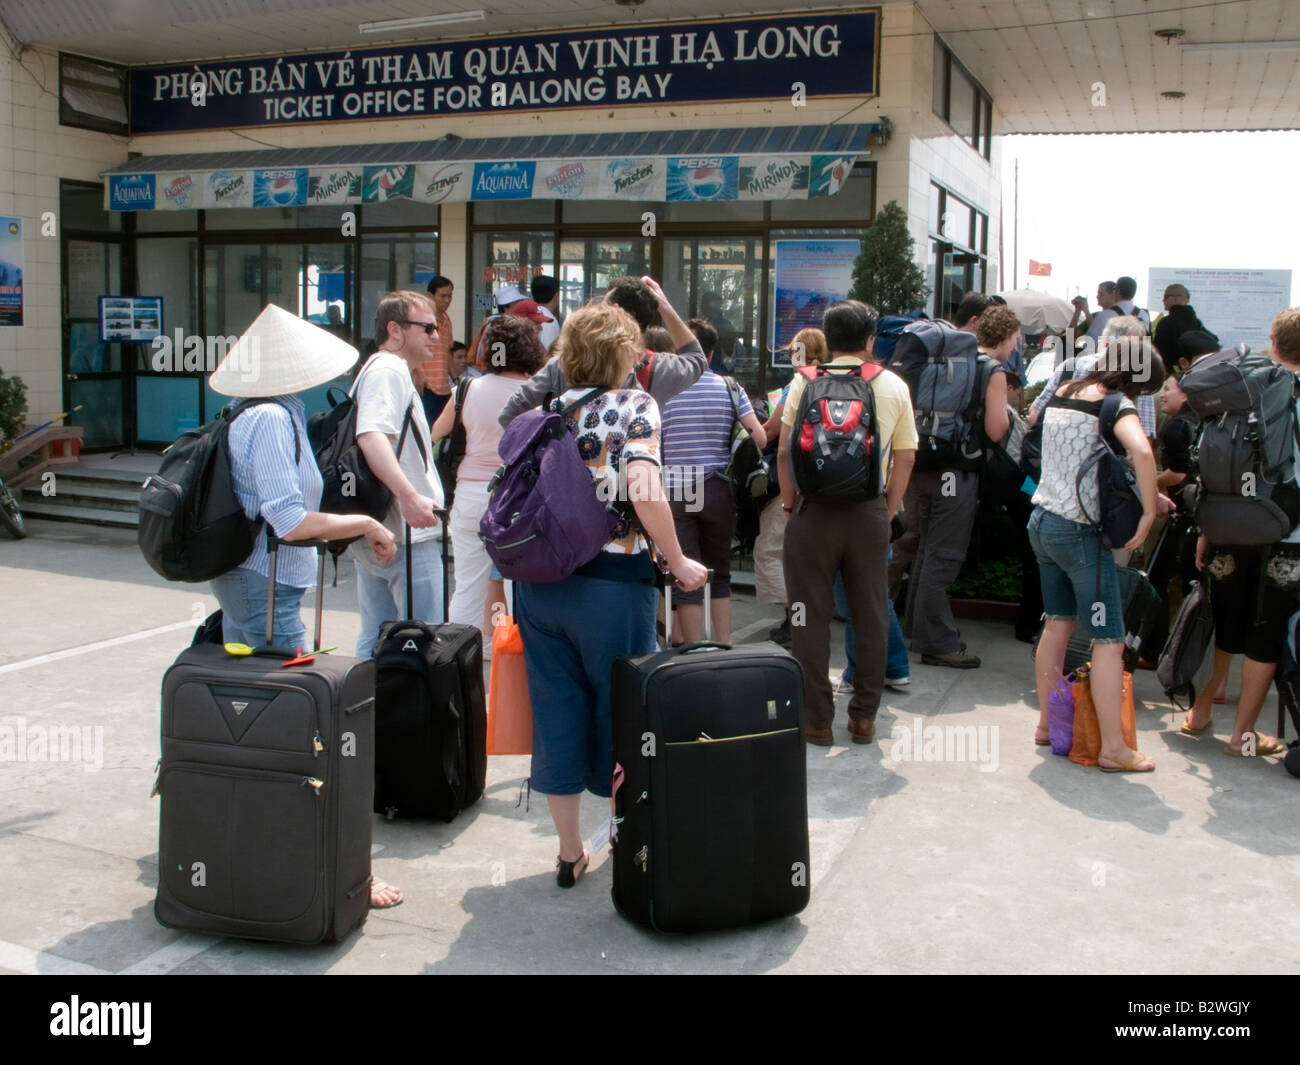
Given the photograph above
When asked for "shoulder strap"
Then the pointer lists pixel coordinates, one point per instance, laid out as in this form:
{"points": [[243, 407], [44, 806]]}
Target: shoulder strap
{"points": [[583, 399], [870, 371], [1109, 412], [733, 391], [406, 425], [645, 370]]}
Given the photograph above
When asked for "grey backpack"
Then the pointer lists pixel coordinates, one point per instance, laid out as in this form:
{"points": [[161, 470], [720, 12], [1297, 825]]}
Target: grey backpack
{"points": [[1245, 454], [940, 365]]}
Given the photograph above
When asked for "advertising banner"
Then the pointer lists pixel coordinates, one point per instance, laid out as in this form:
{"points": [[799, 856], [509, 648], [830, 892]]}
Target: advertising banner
{"points": [[11, 271], [810, 276]]}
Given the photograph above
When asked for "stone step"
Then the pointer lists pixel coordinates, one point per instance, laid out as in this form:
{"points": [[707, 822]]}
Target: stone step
{"points": [[97, 496], [121, 519]]}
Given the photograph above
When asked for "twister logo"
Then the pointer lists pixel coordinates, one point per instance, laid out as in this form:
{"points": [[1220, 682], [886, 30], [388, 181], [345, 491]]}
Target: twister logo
{"points": [[829, 172], [229, 188], [504, 181], [280, 188], [387, 182], [131, 192], [703, 178], [633, 179]]}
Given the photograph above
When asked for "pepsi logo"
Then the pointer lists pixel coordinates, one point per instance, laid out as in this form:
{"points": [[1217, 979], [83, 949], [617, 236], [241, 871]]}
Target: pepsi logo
{"points": [[706, 182], [283, 191]]}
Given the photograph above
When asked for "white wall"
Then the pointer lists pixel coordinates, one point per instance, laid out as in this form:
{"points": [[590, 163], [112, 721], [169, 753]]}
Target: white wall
{"points": [[37, 152]]}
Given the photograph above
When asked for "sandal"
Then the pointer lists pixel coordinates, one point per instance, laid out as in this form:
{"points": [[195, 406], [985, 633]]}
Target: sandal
{"points": [[1042, 737], [1140, 764], [1263, 745], [384, 896], [1189, 730], [567, 873]]}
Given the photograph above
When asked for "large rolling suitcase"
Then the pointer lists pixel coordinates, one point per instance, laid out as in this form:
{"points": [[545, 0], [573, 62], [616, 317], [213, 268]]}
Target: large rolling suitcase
{"points": [[710, 789], [266, 778], [430, 713]]}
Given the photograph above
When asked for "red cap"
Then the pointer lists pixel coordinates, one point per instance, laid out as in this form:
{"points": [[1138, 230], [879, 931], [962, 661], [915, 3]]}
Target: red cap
{"points": [[527, 309]]}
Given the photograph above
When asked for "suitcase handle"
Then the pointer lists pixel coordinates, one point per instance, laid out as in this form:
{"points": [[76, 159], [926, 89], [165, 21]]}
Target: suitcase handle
{"points": [[273, 551], [699, 645], [708, 611], [442, 516]]}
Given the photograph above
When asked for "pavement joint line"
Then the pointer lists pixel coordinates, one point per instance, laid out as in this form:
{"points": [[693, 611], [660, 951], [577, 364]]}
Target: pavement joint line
{"points": [[754, 626], [31, 962], [99, 645]]}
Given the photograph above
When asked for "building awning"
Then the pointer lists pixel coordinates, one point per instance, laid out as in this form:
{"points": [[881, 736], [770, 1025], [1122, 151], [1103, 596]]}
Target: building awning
{"points": [[702, 165]]}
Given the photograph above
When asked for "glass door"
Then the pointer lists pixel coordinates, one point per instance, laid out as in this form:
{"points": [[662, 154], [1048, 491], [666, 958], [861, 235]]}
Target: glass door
{"points": [[718, 278], [93, 371]]}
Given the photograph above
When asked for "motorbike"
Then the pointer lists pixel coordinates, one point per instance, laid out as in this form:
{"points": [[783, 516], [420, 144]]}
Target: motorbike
{"points": [[11, 517]]}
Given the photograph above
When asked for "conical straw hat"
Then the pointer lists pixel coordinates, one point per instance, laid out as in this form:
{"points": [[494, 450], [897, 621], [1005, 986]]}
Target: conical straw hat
{"points": [[280, 354]]}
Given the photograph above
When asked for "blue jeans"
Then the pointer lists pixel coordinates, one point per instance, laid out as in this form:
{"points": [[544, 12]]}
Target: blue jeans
{"points": [[241, 594], [1077, 574], [896, 665], [381, 590], [572, 631]]}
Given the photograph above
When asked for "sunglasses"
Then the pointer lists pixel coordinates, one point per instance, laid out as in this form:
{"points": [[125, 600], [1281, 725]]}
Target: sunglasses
{"points": [[428, 327]]}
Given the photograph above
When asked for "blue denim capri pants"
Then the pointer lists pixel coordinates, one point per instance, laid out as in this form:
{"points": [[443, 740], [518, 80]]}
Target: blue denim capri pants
{"points": [[1078, 576], [572, 631]]}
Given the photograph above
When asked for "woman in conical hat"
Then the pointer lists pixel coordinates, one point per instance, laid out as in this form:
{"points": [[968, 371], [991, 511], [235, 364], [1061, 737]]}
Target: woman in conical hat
{"points": [[279, 355]]}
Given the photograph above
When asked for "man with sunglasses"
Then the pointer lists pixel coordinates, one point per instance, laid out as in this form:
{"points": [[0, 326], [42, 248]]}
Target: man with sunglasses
{"points": [[393, 434]]}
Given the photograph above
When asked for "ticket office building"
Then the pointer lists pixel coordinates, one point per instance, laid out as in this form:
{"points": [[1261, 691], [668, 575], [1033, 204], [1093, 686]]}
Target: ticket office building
{"points": [[215, 269]]}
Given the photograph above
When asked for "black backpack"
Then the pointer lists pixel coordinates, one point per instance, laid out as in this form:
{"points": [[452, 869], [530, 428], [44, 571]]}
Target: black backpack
{"points": [[747, 470], [192, 525], [1120, 504], [449, 452], [835, 445], [349, 486]]}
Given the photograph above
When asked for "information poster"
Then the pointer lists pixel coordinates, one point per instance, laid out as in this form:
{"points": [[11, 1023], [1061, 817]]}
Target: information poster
{"points": [[810, 276], [129, 318], [11, 271], [1237, 306]]}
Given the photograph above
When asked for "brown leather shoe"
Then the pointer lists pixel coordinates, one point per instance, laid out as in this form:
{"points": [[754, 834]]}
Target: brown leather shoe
{"points": [[818, 737], [862, 730]]}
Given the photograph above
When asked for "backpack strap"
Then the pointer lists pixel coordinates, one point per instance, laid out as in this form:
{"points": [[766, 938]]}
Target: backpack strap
{"points": [[733, 390], [1106, 419], [297, 441], [645, 370]]}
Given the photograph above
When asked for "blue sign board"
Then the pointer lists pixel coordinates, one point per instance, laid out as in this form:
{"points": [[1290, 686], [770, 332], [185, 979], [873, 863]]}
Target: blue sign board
{"points": [[131, 192], [828, 53]]}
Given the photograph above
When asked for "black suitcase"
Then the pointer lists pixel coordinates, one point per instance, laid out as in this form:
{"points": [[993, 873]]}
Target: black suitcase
{"points": [[266, 778], [430, 713], [710, 788]]}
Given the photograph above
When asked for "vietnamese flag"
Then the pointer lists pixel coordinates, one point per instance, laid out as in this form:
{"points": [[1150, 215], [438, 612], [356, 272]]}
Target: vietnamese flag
{"points": [[1037, 269]]}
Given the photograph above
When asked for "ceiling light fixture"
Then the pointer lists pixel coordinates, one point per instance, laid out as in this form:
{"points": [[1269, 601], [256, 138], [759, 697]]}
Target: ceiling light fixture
{"points": [[1171, 34], [629, 3], [1242, 46], [394, 25], [1173, 94]]}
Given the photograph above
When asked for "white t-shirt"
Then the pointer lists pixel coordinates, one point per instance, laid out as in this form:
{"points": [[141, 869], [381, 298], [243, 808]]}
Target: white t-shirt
{"points": [[550, 329], [384, 392]]}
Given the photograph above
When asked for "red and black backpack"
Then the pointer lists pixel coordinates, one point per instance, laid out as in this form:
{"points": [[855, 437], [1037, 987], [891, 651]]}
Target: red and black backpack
{"points": [[835, 445]]}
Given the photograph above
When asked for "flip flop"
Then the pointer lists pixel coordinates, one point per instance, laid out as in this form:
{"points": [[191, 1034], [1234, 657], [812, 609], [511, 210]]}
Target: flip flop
{"points": [[1140, 764], [1188, 730], [1263, 745], [378, 886], [1042, 743]]}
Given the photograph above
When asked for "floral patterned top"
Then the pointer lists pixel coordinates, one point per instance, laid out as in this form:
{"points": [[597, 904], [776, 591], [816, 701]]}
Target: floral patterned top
{"points": [[611, 430]]}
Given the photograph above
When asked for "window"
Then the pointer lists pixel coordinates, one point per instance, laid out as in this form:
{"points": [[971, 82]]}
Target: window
{"points": [[961, 101], [958, 250], [92, 94]]}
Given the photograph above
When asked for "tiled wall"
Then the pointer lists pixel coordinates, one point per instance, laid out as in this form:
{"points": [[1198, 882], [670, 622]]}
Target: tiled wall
{"points": [[35, 152]]}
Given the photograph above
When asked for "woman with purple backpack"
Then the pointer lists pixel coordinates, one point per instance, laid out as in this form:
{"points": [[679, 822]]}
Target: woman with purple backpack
{"points": [[573, 629]]}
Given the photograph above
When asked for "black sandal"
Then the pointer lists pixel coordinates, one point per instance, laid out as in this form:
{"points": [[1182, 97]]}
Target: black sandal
{"points": [[567, 873]]}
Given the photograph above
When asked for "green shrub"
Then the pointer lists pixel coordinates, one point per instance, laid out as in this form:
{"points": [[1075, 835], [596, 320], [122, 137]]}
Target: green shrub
{"points": [[13, 409], [993, 579]]}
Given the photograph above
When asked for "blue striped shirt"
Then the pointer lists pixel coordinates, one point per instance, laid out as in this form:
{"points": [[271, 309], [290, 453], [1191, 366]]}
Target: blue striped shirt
{"points": [[697, 430], [267, 483]]}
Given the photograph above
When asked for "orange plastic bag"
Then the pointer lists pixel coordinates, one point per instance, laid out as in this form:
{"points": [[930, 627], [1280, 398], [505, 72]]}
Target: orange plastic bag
{"points": [[510, 713], [1087, 732]]}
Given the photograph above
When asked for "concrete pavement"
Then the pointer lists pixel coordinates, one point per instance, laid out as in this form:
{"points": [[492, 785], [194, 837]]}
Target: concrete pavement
{"points": [[992, 857]]}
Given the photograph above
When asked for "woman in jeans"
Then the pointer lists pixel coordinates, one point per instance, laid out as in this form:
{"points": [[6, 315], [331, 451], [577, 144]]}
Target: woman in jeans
{"points": [[279, 355], [1078, 575], [512, 354], [573, 629]]}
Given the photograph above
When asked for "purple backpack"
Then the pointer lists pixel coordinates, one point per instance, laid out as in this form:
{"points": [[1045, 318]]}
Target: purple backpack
{"points": [[544, 519]]}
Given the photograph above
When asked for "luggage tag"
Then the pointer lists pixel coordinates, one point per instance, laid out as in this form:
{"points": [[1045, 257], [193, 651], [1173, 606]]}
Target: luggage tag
{"points": [[306, 659], [602, 835]]}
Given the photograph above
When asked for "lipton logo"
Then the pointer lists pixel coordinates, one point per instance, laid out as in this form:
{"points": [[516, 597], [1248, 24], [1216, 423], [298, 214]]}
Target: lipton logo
{"points": [[239, 708], [179, 186], [567, 178]]}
